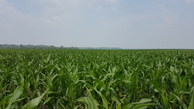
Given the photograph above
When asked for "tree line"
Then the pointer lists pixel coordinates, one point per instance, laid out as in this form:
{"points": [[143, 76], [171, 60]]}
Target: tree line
{"points": [[21, 46]]}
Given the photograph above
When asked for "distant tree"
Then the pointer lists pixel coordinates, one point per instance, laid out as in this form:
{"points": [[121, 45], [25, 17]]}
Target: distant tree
{"points": [[61, 47], [21, 46]]}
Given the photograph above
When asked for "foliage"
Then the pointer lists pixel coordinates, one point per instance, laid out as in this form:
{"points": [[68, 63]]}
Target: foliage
{"points": [[98, 79]]}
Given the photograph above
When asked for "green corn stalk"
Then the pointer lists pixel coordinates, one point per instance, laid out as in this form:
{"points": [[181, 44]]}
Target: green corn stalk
{"points": [[16, 94], [89, 101], [142, 104], [34, 102], [191, 104]]}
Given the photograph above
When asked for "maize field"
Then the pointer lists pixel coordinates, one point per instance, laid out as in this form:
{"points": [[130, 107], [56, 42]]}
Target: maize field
{"points": [[96, 79]]}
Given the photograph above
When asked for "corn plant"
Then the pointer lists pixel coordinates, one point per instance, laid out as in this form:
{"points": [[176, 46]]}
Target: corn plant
{"points": [[96, 79]]}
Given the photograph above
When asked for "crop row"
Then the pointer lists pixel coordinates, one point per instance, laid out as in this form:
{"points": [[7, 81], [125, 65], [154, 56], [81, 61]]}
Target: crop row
{"points": [[92, 79]]}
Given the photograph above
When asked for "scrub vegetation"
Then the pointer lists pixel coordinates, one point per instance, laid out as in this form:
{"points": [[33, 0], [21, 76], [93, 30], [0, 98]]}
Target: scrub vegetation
{"points": [[96, 79]]}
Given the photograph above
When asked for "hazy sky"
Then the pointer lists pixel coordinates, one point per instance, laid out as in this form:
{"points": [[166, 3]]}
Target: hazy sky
{"points": [[98, 23]]}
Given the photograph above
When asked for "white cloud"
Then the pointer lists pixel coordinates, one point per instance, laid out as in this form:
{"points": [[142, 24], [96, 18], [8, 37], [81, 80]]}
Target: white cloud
{"points": [[189, 1], [100, 7], [168, 17], [15, 26], [68, 3], [13, 16], [112, 1], [5, 6]]}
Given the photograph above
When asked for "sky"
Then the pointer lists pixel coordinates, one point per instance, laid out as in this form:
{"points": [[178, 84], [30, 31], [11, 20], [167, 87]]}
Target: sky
{"points": [[133, 24]]}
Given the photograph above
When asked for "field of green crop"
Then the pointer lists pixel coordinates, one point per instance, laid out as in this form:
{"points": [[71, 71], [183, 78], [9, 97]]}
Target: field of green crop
{"points": [[96, 79]]}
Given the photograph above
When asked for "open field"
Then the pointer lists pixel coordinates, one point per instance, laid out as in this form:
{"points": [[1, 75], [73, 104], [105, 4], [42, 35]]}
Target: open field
{"points": [[92, 79]]}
